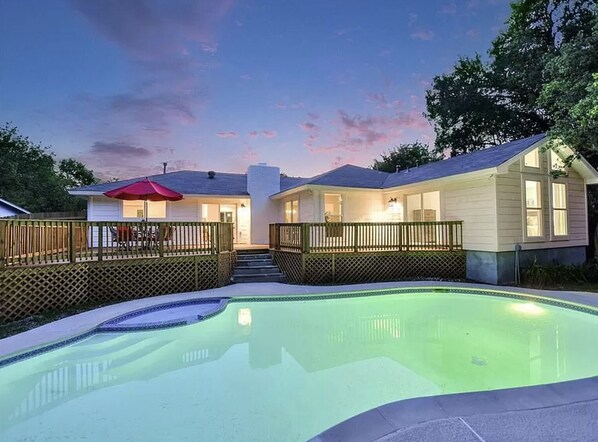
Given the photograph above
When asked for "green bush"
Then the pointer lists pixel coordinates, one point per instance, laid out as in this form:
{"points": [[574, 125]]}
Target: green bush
{"points": [[557, 275]]}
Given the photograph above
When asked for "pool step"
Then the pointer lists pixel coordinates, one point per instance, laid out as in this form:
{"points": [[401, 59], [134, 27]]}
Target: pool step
{"points": [[256, 267]]}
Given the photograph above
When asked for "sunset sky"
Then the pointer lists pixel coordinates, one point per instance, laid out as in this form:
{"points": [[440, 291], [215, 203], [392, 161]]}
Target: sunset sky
{"points": [[123, 85]]}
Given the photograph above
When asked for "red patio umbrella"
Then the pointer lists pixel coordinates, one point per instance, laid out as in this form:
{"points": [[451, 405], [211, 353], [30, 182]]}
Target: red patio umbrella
{"points": [[146, 190]]}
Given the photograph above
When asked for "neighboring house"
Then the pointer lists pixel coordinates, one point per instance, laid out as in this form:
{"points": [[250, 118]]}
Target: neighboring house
{"points": [[505, 196], [9, 209]]}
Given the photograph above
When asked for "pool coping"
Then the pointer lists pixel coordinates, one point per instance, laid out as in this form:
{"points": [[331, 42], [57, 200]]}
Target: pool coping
{"points": [[380, 422]]}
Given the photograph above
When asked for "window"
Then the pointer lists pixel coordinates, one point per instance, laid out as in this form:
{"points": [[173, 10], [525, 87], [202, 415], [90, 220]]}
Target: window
{"points": [[559, 209], [135, 209], [423, 206], [532, 159], [556, 163], [291, 211], [533, 208], [333, 208]]}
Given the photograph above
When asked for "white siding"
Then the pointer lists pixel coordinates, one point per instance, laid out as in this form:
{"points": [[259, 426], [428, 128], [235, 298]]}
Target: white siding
{"points": [[185, 210], [102, 208], [473, 202]]}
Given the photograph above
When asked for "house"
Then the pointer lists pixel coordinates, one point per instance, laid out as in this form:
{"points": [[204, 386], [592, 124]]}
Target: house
{"points": [[505, 195], [9, 209]]}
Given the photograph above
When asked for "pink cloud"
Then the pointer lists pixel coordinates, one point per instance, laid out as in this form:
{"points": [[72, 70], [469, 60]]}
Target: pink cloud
{"points": [[313, 115], [269, 133], [307, 126], [381, 101], [253, 134], [356, 133], [227, 134], [423, 34]]}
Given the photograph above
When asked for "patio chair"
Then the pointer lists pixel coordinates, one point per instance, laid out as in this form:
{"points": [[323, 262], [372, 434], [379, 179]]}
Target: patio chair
{"points": [[122, 236]]}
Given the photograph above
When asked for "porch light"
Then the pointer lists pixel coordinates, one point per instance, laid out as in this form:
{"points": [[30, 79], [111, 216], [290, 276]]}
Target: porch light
{"points": [[242, 205], [393, 203]]}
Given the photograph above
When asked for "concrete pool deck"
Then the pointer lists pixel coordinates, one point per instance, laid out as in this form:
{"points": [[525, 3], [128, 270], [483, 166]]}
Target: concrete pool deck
{"points": [[563, 411]]}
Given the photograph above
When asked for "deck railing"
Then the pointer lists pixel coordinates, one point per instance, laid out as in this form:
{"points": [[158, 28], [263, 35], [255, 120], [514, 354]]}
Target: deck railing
{"points": [[30, 242], [364, 237]]}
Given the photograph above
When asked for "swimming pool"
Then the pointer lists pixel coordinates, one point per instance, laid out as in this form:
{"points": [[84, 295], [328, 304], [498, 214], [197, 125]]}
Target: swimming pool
{"points": [[287, 370]]}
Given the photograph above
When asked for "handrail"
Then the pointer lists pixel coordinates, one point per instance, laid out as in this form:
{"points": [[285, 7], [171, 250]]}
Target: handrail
{"points": [[31, 242], [363, 237]]}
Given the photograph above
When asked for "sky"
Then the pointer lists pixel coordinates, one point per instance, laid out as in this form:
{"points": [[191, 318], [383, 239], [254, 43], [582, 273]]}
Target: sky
{"points": [[305, 85]]}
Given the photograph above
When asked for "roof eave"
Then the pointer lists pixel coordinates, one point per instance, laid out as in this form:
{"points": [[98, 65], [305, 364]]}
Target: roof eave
{"points": [[458, 176]]}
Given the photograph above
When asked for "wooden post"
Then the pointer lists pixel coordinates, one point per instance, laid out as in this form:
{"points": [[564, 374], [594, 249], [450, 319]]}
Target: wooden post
{"points": [[450, 236], [355, 241], [72, 241], [217, 239], [162, 231], [100, 240], [3, 226], [305, 239]]}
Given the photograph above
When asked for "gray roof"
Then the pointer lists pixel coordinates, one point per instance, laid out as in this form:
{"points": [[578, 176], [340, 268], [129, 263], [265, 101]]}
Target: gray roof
{"points": [[6, 203], [190, 182], [187, 182], [471, 162]]}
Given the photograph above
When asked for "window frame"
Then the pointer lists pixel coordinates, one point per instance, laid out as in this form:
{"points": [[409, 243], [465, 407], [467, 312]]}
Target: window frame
{"points": [[294, 211], [342, 206], [537, 168], [149, 203], [553, 210], [542, 236]]}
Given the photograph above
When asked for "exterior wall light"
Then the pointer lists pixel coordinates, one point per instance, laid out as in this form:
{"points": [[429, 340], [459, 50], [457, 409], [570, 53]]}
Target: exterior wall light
{"points": [[393, 203]]}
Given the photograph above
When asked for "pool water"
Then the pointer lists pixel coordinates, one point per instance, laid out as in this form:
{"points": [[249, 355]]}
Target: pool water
{"points": [[285, 371]]}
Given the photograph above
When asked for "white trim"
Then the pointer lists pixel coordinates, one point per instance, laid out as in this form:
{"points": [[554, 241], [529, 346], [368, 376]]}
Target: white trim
{"points": [[14, 206]]}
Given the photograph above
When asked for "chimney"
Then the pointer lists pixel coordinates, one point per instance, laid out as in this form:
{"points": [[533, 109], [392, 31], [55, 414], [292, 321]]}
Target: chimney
{"points": [[397, 168], [211, 174], [262, 182], [164, 164]]}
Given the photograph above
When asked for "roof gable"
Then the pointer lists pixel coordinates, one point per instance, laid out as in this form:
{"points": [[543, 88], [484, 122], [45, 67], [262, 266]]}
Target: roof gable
{"points": [[471, 162]]}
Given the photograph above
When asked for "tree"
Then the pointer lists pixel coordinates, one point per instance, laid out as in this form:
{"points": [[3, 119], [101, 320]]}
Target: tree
{"points": [[480, 103], [31, 178], [570, 94], [470, 110], [405, 156]]}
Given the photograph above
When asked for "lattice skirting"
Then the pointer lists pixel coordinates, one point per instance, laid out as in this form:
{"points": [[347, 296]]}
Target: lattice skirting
{"points": [[291, 264], [340, 268], [26, 291]]}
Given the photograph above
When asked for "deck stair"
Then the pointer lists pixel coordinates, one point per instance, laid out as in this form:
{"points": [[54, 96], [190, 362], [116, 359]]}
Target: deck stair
{"points": [[256, 265]]}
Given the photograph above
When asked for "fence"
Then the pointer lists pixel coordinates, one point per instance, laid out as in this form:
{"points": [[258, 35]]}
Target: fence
{"points": [[32, 242], [364, 237]]}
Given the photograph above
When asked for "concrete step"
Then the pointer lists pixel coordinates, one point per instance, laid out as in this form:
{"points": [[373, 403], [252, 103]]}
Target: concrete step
{"points": [[262, 277], [255, 263], [256, 270], [253, 256], [252, 252]]}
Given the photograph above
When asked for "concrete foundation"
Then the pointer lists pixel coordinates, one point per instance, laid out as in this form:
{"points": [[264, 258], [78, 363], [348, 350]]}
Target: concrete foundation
{"points": [[499, 267]]}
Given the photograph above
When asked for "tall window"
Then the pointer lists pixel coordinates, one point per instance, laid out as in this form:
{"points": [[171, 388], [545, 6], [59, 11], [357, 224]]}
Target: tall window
{"points": [[559, 209], [533, 208], [135, 209], [532, 159], [333, 208], [291, 211]]}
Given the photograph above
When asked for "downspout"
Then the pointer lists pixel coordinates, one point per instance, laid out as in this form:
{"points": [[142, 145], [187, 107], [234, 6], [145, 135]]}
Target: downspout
{"points": [[517, 264]]}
